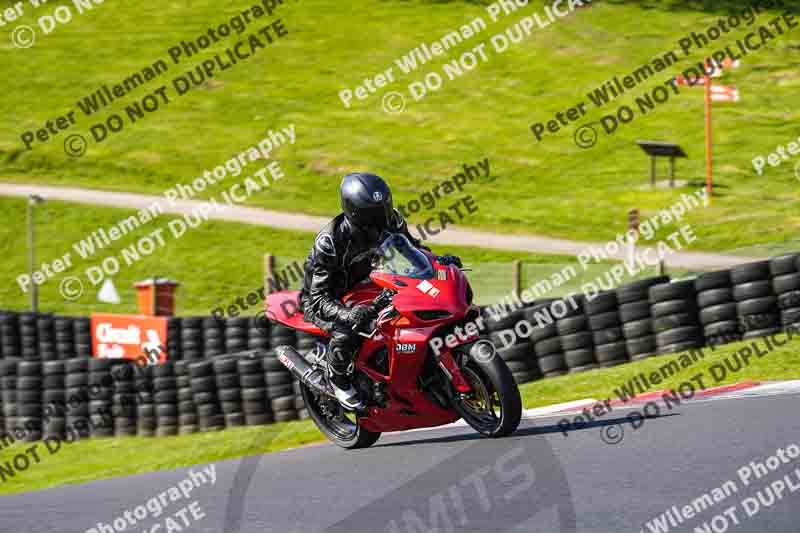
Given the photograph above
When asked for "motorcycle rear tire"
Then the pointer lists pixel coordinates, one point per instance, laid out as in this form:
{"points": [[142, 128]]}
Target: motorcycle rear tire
{"points": [[361, 438]]}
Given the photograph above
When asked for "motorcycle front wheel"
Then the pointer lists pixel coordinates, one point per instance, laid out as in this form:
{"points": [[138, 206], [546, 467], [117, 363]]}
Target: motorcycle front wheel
{"points": [[494, 407], [339, 426]]}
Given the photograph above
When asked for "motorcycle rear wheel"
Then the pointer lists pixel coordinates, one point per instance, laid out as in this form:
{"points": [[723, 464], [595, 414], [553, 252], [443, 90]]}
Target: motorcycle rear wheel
{"points": [[494, 408], [345, 431]]}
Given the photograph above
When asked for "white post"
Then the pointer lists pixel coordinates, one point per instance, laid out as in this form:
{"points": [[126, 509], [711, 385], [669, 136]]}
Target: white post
{"points": [[633, 225]]}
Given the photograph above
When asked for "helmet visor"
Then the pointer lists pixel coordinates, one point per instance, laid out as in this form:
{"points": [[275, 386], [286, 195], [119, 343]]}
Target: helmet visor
{"points": [[373, 217]]}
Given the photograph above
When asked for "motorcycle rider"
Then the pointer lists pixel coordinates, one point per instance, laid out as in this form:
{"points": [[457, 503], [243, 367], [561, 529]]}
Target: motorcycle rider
{"points": [[341, 258]]}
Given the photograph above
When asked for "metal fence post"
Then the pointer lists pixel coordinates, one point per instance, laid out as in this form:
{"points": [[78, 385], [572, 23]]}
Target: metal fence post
{"points": [[269, 266]]}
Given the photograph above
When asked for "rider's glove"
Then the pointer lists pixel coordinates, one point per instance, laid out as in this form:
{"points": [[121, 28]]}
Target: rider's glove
{"points": [[358, 316], [449, 260]]}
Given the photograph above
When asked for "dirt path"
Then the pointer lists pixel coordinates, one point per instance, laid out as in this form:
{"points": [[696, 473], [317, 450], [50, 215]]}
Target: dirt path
{"points": [[297, 222]]}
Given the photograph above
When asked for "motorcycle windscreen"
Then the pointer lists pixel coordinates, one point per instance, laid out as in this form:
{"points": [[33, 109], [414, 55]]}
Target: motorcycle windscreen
{"points": [[397, 256]]}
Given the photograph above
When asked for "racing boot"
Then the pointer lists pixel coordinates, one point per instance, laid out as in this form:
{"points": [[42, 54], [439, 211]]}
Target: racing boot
{"points": [[342, 386]]}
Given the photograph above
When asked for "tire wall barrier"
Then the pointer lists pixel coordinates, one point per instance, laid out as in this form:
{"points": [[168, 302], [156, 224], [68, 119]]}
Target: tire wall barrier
{"points": [[646, 318], [51, 387]]}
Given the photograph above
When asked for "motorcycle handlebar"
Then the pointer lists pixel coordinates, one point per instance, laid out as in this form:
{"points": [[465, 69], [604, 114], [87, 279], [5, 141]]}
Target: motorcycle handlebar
{"points": [[383, 299], [379, 303]]}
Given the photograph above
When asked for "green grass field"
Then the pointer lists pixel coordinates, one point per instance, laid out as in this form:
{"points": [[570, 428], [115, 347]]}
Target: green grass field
{"points": [[551, 187], [102, 458]]}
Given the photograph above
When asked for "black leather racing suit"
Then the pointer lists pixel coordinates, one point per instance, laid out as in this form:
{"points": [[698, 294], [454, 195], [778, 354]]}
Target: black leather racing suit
{"points": [[340, 258]]}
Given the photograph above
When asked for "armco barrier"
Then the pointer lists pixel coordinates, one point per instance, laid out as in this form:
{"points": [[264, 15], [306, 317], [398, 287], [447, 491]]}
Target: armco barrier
{"points": [[50, 385]]}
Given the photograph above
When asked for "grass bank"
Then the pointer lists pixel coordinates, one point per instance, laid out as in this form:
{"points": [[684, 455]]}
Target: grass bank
{"points": [[550, 187]]}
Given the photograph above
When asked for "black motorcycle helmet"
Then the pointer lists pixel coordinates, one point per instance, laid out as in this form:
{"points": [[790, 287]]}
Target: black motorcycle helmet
{"points": [[366, 202]]}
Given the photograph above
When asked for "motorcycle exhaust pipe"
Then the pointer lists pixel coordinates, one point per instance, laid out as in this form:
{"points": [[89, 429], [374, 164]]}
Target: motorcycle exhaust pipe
{"points": [[299, 367]]}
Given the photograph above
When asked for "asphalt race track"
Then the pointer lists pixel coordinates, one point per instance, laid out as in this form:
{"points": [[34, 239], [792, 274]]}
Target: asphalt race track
{"points": [[538, 480]]}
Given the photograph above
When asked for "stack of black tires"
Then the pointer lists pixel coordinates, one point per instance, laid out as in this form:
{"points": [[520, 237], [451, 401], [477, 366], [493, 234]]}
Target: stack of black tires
{"points": [[192, 338], [229, 390], [254, 392], [77, 394], [46, 337], [718, 315], [280, 391], [204, 394], [27, 335], [575, 336], [165, 399], [515, 350], [546, 341], [637, 320], [174, 338], [101, 383], [236, 330], [756, 303], [8, 393], [786, 284], [605, 324], [187, 410], [675, 317], [64, 327], [9, 335], [258, 333], [213, 337], [124, 401], [28, 421], [54, 398], [83, 336], [146, 418]]}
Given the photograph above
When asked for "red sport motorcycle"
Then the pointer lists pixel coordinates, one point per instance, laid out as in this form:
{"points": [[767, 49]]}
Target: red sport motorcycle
{"points": [[422, 364]]}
